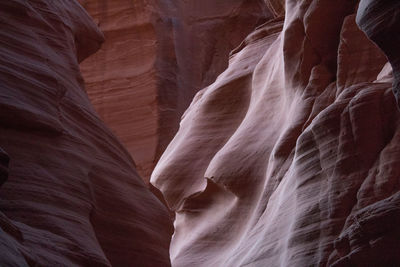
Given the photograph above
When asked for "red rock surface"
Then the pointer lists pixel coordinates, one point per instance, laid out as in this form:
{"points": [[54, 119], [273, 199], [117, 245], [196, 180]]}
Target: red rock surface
{"points": [[70, 195], [291, 157], [156, 56]]}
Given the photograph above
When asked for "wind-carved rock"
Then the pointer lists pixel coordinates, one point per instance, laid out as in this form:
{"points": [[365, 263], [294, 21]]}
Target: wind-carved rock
{"points": [[6, 226], [291, 157], [72, 197], [4, 161], [156, 57], [380, 20]]}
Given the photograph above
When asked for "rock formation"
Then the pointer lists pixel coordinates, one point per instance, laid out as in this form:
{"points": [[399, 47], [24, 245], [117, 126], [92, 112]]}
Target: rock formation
{"points": [[70, 195], [291, 157], [156, 56], [380, 20], [4, 160]]}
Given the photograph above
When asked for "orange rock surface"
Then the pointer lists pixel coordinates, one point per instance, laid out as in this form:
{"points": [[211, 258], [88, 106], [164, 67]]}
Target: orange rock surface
{"points": [[291, 157], [156, 56], [70, 195]]}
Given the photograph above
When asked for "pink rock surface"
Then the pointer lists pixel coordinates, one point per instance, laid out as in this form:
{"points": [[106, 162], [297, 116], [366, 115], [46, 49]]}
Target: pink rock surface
{"points": [[156, 56], [70, 195], [291, 157]]}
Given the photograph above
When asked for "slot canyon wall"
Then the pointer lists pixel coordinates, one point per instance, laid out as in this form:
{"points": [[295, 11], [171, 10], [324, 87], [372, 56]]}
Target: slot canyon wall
{"points": [[70, 194], [291, 157], [157, 55]]}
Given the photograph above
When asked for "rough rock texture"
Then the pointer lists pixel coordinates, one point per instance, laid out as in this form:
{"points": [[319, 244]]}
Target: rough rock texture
{"points": [[157, 55], [380, 20], [291, 158], [4, 160], [72, 196]]}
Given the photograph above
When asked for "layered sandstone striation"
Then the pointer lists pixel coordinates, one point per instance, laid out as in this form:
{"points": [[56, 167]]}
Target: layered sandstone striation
{"points": [[380, 20], [70, 195], [156, 56], [291, 157]]}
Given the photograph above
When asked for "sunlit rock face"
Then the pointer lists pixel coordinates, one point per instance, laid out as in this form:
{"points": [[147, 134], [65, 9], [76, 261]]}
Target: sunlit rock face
{"points": [[157, 55], [291, 157], [70, 195]]}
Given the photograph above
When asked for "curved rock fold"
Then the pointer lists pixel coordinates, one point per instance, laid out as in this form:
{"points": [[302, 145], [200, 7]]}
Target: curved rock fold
{"points": [[308, 151]]}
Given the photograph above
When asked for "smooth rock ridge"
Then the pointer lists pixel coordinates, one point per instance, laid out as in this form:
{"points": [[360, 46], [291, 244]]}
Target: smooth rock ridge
{"points": [[291, 158]]}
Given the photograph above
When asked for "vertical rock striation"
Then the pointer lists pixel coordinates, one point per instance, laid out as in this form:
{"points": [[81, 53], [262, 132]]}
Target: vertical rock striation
{"points": [[291, 157], [156, 56], [69, 192]]}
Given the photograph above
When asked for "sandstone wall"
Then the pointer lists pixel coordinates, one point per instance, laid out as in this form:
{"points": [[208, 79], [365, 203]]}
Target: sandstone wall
{"points": [[156, 56], [70, 195], [291, 157]]}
